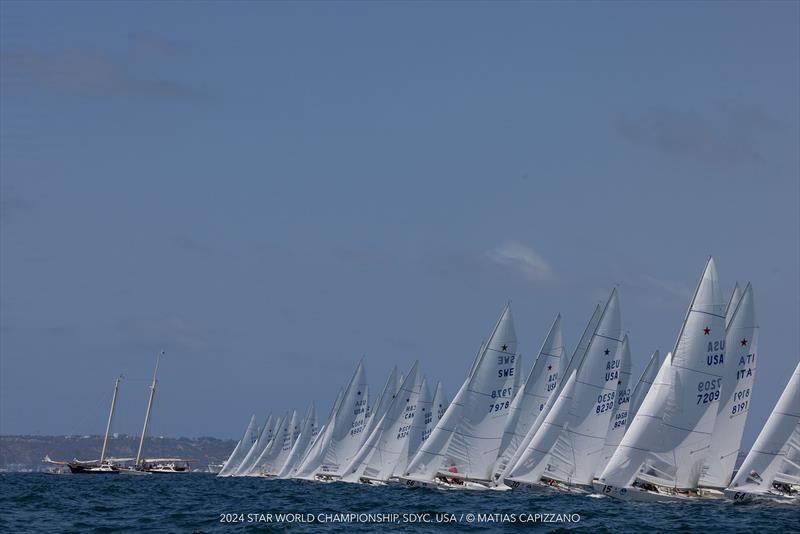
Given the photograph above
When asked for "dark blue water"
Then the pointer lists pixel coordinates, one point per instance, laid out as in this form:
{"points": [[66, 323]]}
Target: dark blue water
{"points": [[196, 503]]}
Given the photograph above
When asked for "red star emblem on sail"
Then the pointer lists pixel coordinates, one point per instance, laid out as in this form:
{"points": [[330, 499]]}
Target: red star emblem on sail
{"points": [[706, 331]]}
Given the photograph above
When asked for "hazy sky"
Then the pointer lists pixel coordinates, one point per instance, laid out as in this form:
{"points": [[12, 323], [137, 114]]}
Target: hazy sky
{"points": [[269, 191]]}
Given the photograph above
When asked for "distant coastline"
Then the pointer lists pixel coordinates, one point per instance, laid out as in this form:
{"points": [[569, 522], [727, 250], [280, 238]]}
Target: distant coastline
{"points": [[24, 453]]}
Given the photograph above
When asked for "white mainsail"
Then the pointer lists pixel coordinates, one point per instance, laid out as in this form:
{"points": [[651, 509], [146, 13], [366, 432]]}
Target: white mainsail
{"points": [[741, 344], [240, 451], [345, 433], [668, 439], [380, 453], [578, 449], [466, 440], [621, 414], [266, 435], [532, 398], [643, 385], [308, 431], [775, 456], [574, 362]]}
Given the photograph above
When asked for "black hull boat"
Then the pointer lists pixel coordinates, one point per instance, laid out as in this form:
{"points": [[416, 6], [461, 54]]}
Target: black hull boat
{"points": [[92, 469]]}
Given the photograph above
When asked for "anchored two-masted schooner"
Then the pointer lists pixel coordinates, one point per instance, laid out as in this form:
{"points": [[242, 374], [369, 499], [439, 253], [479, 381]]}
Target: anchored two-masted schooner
{"points": [[139, 465]]}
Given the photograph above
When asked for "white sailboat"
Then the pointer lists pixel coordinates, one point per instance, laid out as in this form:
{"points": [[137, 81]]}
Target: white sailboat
{"points": [[741, 346], [376, 460], [771, 469], [270, 463], [621, 414], [464, 445], [568, 459], [263, 440], [270, 450], [575, 361], [249, 437], [662, 455], [532, 398], [344, 436], [312, 458], [422, 424], [308, 431]]}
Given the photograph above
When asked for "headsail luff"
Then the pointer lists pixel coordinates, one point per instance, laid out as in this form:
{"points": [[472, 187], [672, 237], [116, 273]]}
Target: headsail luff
{"points": [[378, 409], [466, 440], [265, 463], [241, 449], [266, 435], [775, 456], [643, 385], [532, 398], [741, 344], [736, 294], [668, 439], [308, 430], [533, 460]]}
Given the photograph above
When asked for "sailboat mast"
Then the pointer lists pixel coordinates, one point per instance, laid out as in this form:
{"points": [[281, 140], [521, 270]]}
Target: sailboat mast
{"points": [[110, 417], [149, 408]]}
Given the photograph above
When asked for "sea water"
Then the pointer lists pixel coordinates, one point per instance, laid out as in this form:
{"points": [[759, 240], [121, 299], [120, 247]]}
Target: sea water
{"points": [[204, 503]]}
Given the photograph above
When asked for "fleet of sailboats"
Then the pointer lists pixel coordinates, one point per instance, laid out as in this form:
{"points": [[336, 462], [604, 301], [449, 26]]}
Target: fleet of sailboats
{"points": [[581, 424]]}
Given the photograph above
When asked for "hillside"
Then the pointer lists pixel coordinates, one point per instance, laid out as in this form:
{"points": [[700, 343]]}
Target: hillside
{"points": [[25, 453]]}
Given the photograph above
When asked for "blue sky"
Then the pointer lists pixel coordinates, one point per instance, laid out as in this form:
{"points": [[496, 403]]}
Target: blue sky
{"points": [[269, 191]]}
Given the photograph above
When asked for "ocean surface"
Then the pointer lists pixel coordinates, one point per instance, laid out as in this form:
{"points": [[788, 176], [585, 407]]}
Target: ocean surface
{"points": [[204, 503]]}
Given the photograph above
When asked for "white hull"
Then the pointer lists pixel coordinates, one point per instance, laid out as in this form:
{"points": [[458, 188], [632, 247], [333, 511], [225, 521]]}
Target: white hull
{"points": [[660, 495], [744, 496]]}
